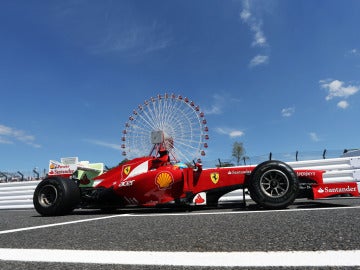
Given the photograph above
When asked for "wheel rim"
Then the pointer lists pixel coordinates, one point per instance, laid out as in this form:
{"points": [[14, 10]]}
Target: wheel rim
{"points": [[274, 183], [47, 196]]}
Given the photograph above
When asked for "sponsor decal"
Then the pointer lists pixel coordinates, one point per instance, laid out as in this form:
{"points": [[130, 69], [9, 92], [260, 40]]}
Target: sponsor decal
{"points": [[200, 199], [164, 180], [305, 174], [337, 189], [127, 170], [331, 189], [126, 183], [215, 177], [239, 172], [56, 168]]}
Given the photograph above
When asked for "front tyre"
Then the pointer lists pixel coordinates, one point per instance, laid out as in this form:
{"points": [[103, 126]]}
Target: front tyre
{"points": [[273, 185], [56, 196]]}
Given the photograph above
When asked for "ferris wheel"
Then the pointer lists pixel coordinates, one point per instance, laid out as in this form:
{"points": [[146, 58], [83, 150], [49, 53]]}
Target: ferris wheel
{"points": [[166, 122]]}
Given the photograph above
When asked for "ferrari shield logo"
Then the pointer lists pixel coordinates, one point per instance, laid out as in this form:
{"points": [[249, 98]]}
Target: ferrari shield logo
{"points": [[127, 170], [214, 177]]}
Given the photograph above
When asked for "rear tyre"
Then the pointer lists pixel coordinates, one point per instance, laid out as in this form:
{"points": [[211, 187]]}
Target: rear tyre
{"points": [[56, 196], [273, 185]]}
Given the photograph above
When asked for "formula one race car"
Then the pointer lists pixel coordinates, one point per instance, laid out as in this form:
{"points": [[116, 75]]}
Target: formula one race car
{"points": [[176, 129], [153, 181]]}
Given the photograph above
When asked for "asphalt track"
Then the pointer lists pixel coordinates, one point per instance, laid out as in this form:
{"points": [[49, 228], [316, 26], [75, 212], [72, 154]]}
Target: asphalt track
{"points": [[322, 234]]}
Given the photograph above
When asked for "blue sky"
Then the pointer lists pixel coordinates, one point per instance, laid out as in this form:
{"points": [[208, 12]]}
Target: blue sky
{"points": [[278, 76]]}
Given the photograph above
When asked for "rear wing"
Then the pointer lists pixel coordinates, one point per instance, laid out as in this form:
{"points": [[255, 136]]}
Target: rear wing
{"points": [[70, 166]]}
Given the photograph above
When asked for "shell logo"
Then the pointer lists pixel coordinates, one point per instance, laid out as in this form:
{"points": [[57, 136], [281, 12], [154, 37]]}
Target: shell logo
{"points": [[164, 180], [52, 166]]}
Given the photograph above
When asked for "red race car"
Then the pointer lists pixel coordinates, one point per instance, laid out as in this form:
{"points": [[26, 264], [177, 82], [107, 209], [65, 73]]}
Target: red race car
{"points": [[176, 129], [154, 181]]}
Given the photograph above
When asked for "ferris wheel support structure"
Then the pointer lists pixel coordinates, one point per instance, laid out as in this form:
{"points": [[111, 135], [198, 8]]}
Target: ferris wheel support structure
{"points": [[166, 122]]}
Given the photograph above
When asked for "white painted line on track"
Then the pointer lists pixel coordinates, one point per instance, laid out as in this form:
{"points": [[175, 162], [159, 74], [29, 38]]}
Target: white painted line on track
{"points": [[59, 224], [210, 259], [171, 214]]}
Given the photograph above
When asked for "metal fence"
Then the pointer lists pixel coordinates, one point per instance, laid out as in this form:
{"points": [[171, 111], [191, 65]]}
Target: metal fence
{"points": [[7, 176], [286, 157]]}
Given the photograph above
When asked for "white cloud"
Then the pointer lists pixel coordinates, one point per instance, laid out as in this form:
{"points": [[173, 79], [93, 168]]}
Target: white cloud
{"points": [[259, 37], [105, 144], [230, 132], [221, 131], [259, 60], [111, 28], [251, 16], [215, 109], [314, 137], [343, 104], [353, 52], [245, 14], [216, 106], [219, 102], [338, 89], [255, 25], [9, 135], [287, 112], [236, 133], [135, 40], [5, 141]]}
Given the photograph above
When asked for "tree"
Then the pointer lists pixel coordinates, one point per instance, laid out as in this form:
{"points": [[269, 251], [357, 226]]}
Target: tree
{"points": [[238, 151]]}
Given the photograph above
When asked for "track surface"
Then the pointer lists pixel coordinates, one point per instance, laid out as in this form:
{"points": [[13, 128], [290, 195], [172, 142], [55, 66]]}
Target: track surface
{"points": [[305, 226]]}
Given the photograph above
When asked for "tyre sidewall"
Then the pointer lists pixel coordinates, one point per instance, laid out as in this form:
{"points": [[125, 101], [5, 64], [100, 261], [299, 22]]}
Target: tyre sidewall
{"points": [[263, 199], [68, 196]]}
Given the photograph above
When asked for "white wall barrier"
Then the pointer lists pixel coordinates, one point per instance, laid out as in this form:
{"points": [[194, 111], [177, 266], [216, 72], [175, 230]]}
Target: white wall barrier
{"points": [[18, 195]]}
